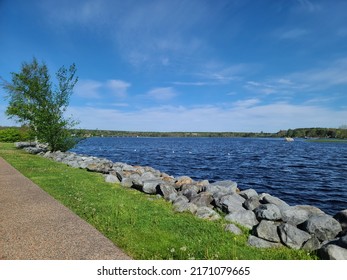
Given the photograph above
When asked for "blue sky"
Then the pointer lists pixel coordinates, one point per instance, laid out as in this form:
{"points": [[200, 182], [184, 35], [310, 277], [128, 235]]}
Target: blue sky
{"points": [[178, 65]]}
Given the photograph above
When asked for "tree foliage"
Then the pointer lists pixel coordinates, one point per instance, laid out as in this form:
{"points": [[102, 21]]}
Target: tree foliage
{"points": [[35, 102]]}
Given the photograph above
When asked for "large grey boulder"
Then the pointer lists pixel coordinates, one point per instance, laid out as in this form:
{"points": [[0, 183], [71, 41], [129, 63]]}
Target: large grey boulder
{"points": [[111, 179], [251, 203], [293, 237], [21, 145], [128, 167], [203, 184], [230, 203], [332, 252], [190, 190], [127, 182], [181, 198], [341, 217], [312, 210], [313, 244], [135, 177], [150, 186], [268, 212], [342, 242], [261, 243], [183, 180], [83, 163], [182, 206], [243, 217], [207, 213], [167, 191], [267, 198], [146, 176], [73, 164], [234, 229], [295, 215], [33, 150], [246, 194], [203, 199], [150, 169], [323, 226], [100, 166], [167, 178], [267, 230], [222, 187]]}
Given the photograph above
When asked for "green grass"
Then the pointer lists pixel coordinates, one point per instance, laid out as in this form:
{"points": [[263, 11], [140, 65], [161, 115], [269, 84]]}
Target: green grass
{"points": [[144, 226]]}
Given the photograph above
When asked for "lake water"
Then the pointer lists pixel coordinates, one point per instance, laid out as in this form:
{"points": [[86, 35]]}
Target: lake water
{"points": [[298, 172]]}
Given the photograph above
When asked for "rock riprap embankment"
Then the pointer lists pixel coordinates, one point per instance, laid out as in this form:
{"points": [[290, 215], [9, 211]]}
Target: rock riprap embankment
{"points": [[271, 221]]}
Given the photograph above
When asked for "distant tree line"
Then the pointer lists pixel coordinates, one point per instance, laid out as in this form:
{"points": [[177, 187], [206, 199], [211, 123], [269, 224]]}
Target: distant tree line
{"points": [[13, 134], [337, 133], [111, 133], [316, 132]]}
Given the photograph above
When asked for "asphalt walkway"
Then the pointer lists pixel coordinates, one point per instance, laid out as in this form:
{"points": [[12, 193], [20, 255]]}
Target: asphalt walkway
{"points": [[35, 226]]}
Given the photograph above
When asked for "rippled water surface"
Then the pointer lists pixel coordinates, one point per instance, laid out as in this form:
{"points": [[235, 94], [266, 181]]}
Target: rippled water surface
{"points": [[298, 172]]}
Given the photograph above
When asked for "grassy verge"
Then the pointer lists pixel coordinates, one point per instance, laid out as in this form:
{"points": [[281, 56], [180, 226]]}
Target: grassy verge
{"points": [[144, 226]]}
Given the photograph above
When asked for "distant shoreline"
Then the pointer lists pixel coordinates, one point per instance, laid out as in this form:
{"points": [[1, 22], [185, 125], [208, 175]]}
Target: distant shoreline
{"points": [[308, 133], [311, 134]]}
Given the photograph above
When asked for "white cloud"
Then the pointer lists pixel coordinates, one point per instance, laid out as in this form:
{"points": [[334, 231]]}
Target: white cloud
{"points": [[120, 104], [246, 103], [262, 87], [88, 88], [254, 117], [190, 83], [162, 93], [293, 33], [308, 6], [118, 87], [311, 80], [88, 13], [93, 89], [325, 76], [216, 73]]}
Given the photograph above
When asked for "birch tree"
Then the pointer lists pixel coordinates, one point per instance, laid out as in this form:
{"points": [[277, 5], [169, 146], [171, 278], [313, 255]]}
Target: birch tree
{"points": [[34, 101]]}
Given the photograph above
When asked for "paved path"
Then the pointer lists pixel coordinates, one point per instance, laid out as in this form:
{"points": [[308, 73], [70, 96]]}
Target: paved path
{"points": [[33, 225]]}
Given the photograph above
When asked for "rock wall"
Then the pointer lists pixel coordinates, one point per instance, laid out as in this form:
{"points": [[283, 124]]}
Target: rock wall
{"points": [[271, 221]]}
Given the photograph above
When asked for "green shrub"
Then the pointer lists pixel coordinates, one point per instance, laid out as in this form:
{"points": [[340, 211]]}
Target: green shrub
{"points": [[14, 135]]}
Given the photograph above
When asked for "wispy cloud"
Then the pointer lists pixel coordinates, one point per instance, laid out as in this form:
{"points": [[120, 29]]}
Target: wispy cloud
{"points": [[155, 32], [88, 13], [315, 79], [218, 73], [261, 87], [97, 89], [190, 83], [323, 77], [295, 33], [253, 117], [145, 34], [161, 93], [88, 89], [246, 103], [308, 6], [118, 87]]}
